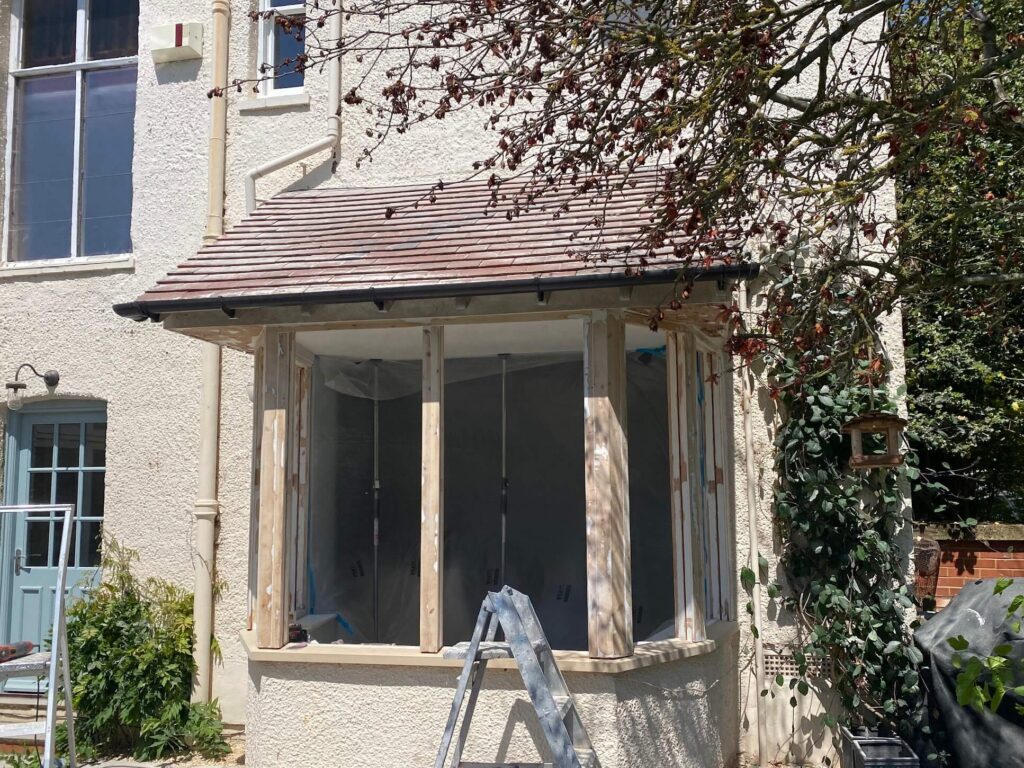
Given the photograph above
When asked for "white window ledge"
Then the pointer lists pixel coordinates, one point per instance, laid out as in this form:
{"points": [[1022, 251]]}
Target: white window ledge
{"points": [[259, 104], [16, 270], [645, 654]]}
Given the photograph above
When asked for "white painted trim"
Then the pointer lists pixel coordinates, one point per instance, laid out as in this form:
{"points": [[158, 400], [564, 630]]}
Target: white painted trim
{"points": [[14, 62], [280, 100], [265, 53], [106, 262], [17, 270]]}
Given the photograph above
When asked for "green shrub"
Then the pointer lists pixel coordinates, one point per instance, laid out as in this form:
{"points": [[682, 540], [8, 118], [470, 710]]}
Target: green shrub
{"points": [[130, 652]]}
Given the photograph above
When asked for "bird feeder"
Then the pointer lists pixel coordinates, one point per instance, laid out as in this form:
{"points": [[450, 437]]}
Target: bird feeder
{"points": [[887, 424]]}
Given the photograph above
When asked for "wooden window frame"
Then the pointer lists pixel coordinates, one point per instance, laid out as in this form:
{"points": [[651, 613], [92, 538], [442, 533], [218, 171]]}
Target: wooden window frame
{"points": [[282, 406]]}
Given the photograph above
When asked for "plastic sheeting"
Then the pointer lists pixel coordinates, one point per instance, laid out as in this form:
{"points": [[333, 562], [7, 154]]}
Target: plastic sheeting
{"points": [[540, 434], [973, 739]]}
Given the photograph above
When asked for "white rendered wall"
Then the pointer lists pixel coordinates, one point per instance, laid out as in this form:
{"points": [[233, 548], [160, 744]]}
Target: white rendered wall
{"points": [[149, 379]]}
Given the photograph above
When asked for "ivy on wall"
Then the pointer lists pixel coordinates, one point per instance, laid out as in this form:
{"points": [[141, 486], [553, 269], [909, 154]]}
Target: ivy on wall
{"points": [[845, 575]]}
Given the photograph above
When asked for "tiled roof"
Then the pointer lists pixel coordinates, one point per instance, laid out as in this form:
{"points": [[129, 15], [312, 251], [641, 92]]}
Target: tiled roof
{"points": [[336, 245]]}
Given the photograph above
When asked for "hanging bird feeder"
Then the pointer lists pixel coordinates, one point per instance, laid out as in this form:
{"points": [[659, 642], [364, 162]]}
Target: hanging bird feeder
{"points": [[887, 424]]}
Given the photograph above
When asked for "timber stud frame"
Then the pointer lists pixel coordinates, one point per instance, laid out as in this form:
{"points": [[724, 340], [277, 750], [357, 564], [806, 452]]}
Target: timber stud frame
{"points": [[281, 409]]}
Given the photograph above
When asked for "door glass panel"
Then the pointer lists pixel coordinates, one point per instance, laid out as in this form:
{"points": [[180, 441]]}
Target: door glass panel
{"points": [[68, 436], [39, 489], [113, 29], [44, 147], [95, 445], [107, 163], [92, 494], [89, 555], [42, 445], [38, 542], [48, 35], [58, 529]]}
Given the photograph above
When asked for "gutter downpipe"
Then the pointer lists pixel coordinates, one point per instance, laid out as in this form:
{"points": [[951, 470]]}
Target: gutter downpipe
{"points": [[331, 141], [207, 507], [748, 439]]}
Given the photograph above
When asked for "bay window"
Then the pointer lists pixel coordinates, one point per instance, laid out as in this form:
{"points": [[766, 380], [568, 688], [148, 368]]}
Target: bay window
{"points": [[71, 97], [581, 461]]}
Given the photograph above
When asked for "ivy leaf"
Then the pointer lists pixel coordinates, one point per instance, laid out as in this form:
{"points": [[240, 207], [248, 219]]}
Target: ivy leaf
{"points": [[747, 579], [892, 647], [958, 643], [1001, 585]]}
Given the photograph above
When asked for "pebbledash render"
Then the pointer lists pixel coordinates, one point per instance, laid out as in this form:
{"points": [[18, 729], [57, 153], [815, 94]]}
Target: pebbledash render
{"points": [[361, 424]]}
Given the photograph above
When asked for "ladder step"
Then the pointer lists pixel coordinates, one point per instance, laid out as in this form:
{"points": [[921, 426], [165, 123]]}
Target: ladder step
{"points": [[27, 730], [33, 665]]}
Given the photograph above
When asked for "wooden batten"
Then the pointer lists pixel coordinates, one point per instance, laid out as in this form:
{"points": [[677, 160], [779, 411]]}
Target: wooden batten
{"points": [[609, 590], [687, 373], [272, 581], [432, 492]]}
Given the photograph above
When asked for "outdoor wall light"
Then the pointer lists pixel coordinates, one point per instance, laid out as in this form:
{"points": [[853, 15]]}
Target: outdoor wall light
{"points": [[16, 388]]}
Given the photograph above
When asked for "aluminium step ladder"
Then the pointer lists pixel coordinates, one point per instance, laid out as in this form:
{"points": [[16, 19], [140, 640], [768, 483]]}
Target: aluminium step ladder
{"points": [[52, 664], [526, 643]]}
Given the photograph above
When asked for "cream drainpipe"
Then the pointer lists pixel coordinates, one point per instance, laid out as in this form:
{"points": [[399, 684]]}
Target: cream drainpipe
{"points": [[748, 439], [207, 507], [331, 141]]}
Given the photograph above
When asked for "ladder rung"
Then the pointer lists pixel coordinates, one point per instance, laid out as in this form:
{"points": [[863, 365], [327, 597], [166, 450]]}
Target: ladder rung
{"points": [[33, 665], [26, 730]]}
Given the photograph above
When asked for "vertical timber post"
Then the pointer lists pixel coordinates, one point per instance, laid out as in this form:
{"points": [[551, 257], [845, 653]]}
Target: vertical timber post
{"points": [[432, 491], [609, 590], [275, 423]]}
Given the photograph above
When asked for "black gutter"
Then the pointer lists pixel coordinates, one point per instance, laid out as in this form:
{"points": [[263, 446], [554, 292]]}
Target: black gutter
{"points": [[152, 310]]}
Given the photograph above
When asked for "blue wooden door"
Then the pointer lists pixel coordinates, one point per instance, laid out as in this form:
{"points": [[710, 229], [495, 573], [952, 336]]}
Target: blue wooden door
{"points": [[55, 456]]}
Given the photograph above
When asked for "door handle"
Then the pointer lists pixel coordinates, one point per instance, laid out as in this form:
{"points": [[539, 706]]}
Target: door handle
{"points": [[19, 560]]}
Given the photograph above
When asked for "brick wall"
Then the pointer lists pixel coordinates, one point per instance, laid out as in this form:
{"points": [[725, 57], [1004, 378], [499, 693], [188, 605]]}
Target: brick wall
{"points": [[964, 561]]}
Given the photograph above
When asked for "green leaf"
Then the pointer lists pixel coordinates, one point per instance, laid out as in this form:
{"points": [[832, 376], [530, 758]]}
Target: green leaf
{"points": [[958, 643], [1001, 585], [747, 579]]}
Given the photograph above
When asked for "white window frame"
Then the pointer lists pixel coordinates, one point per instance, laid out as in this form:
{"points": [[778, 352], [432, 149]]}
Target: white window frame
{"points": [[265, 53], [16, 72]]}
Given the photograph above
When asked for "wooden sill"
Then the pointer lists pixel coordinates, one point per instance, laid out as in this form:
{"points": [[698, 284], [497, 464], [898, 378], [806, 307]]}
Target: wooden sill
{"points": [[645, 655]]}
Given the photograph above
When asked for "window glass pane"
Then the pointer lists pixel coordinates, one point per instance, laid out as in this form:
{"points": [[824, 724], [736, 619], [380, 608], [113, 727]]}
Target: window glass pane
{"points": [[39, 489], [650, 502], [107, 162], [95, 445], [91, 538], [67, 488], [113, 28], [289, 44], [58, 528], [68, 438], [92, 494], [44, 141], [49, 32], [37, 541], [42, 445]]}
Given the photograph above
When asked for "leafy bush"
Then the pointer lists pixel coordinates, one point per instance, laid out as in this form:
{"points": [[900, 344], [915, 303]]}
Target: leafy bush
{"points": [[130, 652]]}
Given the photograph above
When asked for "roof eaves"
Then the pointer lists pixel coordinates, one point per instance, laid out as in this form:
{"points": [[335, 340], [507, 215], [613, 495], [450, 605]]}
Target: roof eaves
{"points": [[153, 310]]}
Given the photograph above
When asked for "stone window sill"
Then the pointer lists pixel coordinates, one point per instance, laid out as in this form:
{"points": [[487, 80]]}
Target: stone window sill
{"points": [[258, 104], [14, 270], [645, 655]]}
